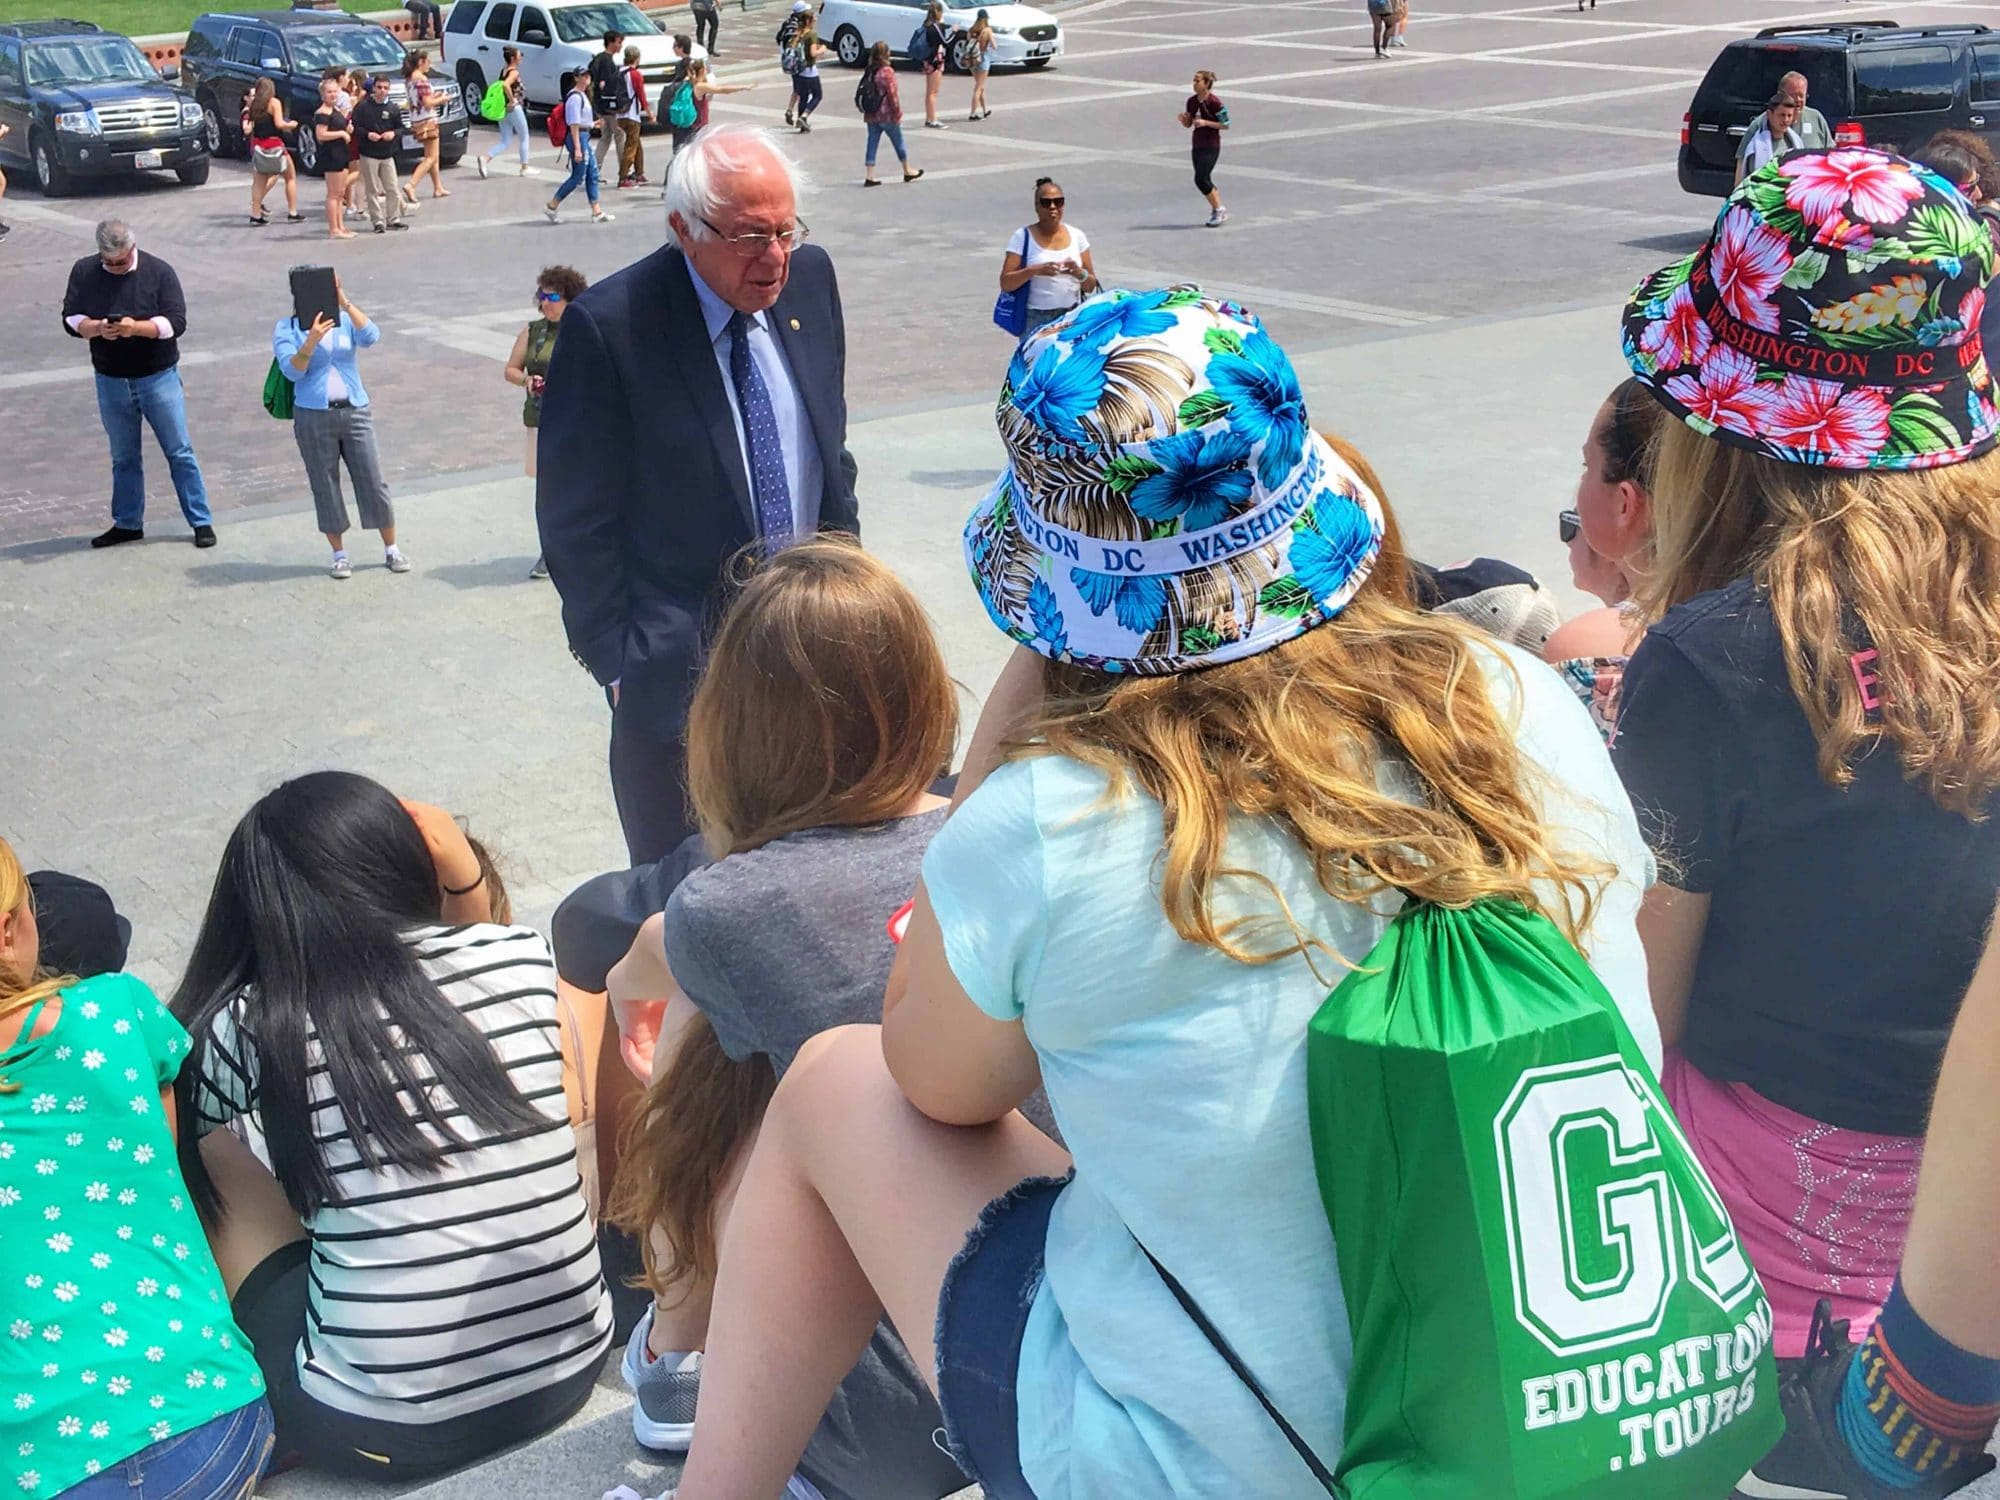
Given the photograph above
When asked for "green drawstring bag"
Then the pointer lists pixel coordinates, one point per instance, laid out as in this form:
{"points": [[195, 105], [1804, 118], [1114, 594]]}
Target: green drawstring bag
{"points": [[277, 393], [1547, 1297]]}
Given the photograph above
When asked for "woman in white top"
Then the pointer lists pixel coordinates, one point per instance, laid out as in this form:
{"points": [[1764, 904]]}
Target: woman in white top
{"points": [[1050, 258], [579, 120], [416, 1270], [1777, 136]]}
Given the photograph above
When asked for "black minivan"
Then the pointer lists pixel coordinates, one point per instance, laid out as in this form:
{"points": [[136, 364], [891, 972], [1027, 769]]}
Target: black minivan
{"points": [[227, 52], [1877, 83]]}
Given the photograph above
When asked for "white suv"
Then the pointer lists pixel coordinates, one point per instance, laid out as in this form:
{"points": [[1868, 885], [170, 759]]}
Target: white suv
{"points": [[1021, 34], [555, 37]]}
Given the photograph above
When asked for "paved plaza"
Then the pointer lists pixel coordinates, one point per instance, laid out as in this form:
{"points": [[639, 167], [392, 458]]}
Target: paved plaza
{"points": [[1441, 240]]}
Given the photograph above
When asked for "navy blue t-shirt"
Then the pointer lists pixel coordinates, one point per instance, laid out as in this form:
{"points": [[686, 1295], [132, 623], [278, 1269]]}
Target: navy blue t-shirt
{"points": [[1843, 925]]}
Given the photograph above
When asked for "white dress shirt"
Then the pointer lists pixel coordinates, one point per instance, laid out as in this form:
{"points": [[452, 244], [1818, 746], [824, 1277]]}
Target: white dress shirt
{"points": [[805, 475]]}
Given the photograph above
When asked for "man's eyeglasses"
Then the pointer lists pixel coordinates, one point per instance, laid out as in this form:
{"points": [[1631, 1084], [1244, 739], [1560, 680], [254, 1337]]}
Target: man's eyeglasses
{"points": [[1051, 202], [1568, 524], [750, 246]]}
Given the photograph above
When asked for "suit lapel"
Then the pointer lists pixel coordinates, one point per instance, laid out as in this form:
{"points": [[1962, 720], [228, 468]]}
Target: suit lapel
{"points": [[693, 355]]}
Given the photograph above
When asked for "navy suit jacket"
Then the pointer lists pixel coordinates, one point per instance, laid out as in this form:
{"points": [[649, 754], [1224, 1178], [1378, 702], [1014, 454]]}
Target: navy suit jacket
{"points": [[642, 498]]}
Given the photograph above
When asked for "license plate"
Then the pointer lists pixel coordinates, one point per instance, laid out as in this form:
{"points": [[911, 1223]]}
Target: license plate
{"points": [[1045, 49], [411, 143], [149, 159]]}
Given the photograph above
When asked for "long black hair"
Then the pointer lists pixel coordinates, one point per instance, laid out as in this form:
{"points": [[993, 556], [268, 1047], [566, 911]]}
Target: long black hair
{"points": [[316, 887]]}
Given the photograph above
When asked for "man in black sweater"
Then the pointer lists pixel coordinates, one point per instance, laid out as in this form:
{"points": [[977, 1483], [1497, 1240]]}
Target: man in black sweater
{"points": [[608, 95], [131, 310]]}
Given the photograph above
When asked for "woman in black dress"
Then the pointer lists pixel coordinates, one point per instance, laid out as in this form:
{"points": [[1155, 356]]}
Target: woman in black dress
{"points": [[335, 135]]}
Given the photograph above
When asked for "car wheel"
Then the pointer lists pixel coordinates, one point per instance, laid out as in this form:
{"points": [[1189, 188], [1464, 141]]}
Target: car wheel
{"points": [[472, 84], [959, 55], [847, 47], [50, 176], [212, 127], [307, 150], [194, 173], [1037, 62]]}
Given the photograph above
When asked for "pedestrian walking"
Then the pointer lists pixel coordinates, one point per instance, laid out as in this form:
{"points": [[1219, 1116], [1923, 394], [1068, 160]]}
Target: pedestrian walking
{"points": [[378, 128], [265, 127], [882, 108], [1381, 24], [333, 424], [429, 18], [706, 24], [131, 310], [1050, 257], [334, 131], [1398, 37], [979, 56], [607, 97], [936, 38], [807, 87], [579, 119], [353, 89], [1207, 116], [1775, 134], [638, 110], [514, 123], [423, 117], [528, 365], [677, 106], [788, 30], [1811, 128]]}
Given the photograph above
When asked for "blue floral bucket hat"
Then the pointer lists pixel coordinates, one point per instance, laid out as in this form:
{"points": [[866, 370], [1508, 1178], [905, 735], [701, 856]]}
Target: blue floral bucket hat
{"points": [[1831, 318], [1166, 505]]}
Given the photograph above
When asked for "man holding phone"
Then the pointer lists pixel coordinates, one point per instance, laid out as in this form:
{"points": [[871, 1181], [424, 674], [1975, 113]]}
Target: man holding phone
{"points": [[133, 314]]}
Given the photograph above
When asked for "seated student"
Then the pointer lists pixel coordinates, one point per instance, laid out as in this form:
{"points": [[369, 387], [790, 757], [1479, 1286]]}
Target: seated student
{"points": [[123, 1372], [1195, 813], [416, 1268], [823, 714], [1809, 728], [1608, 534]]}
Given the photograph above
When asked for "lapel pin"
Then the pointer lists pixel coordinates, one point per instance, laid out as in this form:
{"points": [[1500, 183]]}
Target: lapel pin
{"points": [[795, 325]]}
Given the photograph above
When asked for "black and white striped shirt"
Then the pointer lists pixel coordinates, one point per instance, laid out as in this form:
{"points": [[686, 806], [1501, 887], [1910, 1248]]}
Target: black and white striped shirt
{"points": [[435, 1295]]}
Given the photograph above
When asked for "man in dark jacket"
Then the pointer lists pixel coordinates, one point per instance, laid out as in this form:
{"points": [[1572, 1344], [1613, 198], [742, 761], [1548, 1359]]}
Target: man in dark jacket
{"points": [[696, 405], [607, 94], [131, 310]]}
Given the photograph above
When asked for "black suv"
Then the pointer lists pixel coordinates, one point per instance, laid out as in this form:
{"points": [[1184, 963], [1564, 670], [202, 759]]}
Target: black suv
{"points": [[1877, 83], [79, 101], [227, 52]]}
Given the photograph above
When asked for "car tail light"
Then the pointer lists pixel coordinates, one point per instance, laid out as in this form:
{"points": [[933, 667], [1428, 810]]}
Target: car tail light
{"points": [[1849, 133], [1687, 125]]}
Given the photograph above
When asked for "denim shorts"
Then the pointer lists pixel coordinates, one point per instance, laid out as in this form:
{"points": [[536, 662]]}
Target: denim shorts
{"points": [[982, 1313], [220, 1460]]}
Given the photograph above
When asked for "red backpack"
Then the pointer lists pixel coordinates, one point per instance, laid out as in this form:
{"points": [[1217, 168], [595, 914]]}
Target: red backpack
{"points": [[558, 126]]}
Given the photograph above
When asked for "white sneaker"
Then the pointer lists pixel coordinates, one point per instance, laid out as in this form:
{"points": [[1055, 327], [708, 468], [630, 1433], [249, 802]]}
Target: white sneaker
{"points": [[602, 218], [342, 568], [527, 171], [395, 562], [479, 161], [1217, 219], [554, 215]]}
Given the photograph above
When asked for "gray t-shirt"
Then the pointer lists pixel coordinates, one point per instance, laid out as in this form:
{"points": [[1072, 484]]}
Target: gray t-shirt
{"points": [[742, 936]]}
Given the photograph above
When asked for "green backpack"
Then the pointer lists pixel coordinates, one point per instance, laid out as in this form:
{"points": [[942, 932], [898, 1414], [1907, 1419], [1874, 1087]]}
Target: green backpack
{"points": [[493, 103], [1546, 1295], [680, 109], [278, 393]]}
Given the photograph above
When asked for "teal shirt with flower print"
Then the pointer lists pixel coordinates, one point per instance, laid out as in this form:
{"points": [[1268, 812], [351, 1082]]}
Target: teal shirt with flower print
{"points": [[116, 1332]]}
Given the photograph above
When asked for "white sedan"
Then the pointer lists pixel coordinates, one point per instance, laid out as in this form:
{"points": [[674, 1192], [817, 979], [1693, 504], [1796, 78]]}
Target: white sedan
{"points": [[1022, 35]]}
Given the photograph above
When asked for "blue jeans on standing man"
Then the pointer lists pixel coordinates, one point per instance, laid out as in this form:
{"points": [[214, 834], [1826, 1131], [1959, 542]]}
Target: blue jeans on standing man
{"points": [[892, 129], [583, 170], [159, 399]]}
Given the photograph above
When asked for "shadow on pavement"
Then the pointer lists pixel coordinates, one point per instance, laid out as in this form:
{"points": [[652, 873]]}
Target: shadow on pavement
{"points": [[45, 550], [221, 575], [1681, 242], [500, 572], [953, 479]]}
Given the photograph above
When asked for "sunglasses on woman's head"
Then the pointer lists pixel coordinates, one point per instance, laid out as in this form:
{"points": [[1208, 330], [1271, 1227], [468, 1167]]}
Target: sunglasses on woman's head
{"points": [[1568, 524]]}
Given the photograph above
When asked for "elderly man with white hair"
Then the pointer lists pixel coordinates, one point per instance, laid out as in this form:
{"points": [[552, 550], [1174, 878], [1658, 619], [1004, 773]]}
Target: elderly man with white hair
{"points": [[695, 405], [131, 311]]}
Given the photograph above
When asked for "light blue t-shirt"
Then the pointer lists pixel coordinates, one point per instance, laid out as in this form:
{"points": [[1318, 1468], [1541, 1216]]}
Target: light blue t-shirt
{"points": [[1177, 1076]]}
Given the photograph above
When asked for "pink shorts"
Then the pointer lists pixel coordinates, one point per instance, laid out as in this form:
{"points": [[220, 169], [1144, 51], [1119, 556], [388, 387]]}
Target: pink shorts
{"points": [[1822, 1212]]}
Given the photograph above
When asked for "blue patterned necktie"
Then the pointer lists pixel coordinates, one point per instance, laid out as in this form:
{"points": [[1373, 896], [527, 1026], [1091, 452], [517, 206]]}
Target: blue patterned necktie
{"points": [[760, 426]]}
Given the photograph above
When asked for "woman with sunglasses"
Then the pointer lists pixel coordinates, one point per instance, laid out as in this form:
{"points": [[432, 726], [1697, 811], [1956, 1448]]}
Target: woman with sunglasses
{"points": [[1050, 257], [1607, 535], [534, 347]]}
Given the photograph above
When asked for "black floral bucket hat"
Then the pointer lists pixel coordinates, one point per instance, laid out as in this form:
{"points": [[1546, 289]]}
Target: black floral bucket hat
{"points": [[1832, 318]]}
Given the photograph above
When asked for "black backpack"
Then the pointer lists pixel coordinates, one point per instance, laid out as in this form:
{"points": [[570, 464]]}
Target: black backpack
{"points": [[921, 49], [868, 94]]}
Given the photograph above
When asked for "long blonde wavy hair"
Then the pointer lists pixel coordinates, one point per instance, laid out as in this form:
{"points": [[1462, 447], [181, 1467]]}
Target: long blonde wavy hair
{"points": [[1903, 563], [16, 996], [825, 702], [1296, 735]]}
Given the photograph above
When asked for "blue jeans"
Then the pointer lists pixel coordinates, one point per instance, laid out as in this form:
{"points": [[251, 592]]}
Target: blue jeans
{"points": [[220, 1460], [513, 130], [894, 131], [582, 170], [159, 399]]}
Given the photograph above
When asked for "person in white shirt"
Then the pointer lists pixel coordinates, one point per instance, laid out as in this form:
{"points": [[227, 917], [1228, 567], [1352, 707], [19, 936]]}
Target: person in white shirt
{"points": [[1775, 135], [579, 120], [1050, 257]]}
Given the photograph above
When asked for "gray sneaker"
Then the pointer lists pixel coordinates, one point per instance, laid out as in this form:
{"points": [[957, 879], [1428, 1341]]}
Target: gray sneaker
{"points": [[396, 562], [663, 1414], [342, 568]]}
